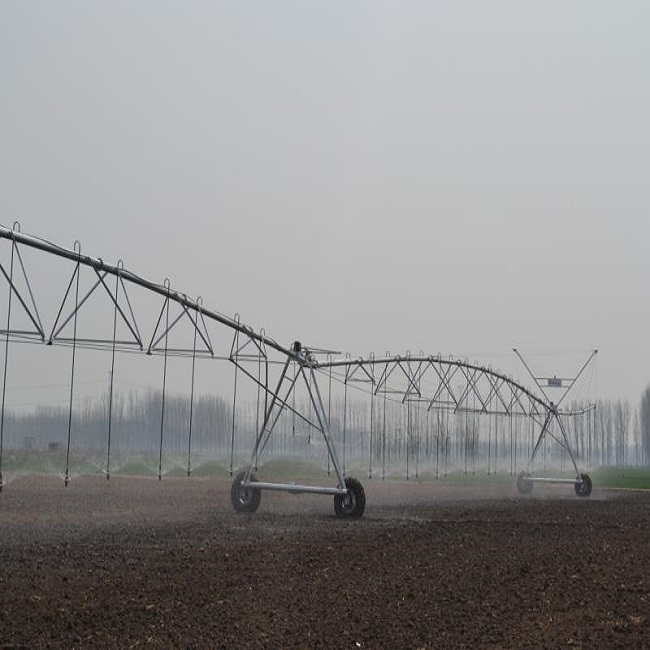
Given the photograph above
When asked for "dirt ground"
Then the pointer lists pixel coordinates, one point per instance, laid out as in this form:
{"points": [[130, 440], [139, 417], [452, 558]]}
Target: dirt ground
{"points": [[131, 563]]}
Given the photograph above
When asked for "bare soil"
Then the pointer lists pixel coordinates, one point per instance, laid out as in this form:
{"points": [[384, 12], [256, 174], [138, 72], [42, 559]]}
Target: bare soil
{"points": [[132, 563]]}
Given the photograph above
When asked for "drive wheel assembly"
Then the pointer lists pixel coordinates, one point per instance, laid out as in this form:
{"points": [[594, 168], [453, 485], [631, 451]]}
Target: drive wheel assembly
{"points": [[524, 484], [244, 499], [583, 489], [353, 503]]}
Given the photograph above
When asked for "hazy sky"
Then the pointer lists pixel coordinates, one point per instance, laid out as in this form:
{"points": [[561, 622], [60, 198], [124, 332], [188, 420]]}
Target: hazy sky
{"points": [[455, 177]]}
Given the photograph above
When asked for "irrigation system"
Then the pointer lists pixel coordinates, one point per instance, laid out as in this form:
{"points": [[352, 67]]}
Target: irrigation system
{"points": [[422, 383]]}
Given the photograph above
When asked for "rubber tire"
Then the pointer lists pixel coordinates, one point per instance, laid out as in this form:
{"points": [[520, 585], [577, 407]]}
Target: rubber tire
{"points": [[584, 489], [353, 503], [524, 484], [244, 499]]}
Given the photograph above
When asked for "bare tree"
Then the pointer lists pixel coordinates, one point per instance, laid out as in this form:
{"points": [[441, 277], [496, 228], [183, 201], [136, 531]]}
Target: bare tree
{"points": [[621, 422], [645, 425], [603, 432], [636, 432]]}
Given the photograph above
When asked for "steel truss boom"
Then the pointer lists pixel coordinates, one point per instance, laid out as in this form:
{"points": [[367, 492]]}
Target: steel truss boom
{"points": [[428, 382], [164, 290], [434, 383], [441, 383]]}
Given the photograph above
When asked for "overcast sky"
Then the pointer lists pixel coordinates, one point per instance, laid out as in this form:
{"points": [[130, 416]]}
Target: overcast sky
{"points": [[454, 177]]}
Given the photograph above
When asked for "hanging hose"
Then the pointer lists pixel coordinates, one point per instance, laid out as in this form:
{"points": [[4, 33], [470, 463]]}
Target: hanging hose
{"points": [[329, 410], [372, 420], [489, 437], [417, 443], [259, 390], [408, 434], [189, 433], [262, 352], [112, 373], [345, 422], [309, 418], [438, 431], [234, 353], [164, 386], [383, 443], [512, 449], [77, 247], [446, 434]]}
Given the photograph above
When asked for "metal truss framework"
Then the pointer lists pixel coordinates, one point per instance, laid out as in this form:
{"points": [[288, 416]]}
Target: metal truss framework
{"points": [[427, 382]]}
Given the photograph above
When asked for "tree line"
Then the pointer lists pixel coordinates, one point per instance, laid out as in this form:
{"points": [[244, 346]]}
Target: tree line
{"points": [[137, 422], [380, 435]]}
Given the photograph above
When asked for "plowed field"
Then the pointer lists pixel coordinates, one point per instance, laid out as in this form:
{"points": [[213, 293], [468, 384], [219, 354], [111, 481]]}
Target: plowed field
{"points": [[134, 563]]}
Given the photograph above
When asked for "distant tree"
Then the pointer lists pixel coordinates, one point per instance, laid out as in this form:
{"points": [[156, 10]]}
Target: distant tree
{"points": [[636, 429], [576, 426], [645, 425], [603, 432], [621, 422]]}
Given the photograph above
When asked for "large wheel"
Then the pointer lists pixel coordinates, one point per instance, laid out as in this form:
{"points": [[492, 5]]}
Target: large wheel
{"points": [[244, 499], [524, 484], [353, 503], [583, 489]]}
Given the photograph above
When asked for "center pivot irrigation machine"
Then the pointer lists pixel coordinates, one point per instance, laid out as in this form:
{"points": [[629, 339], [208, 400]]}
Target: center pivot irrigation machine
{"points": [[421, 384]]}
